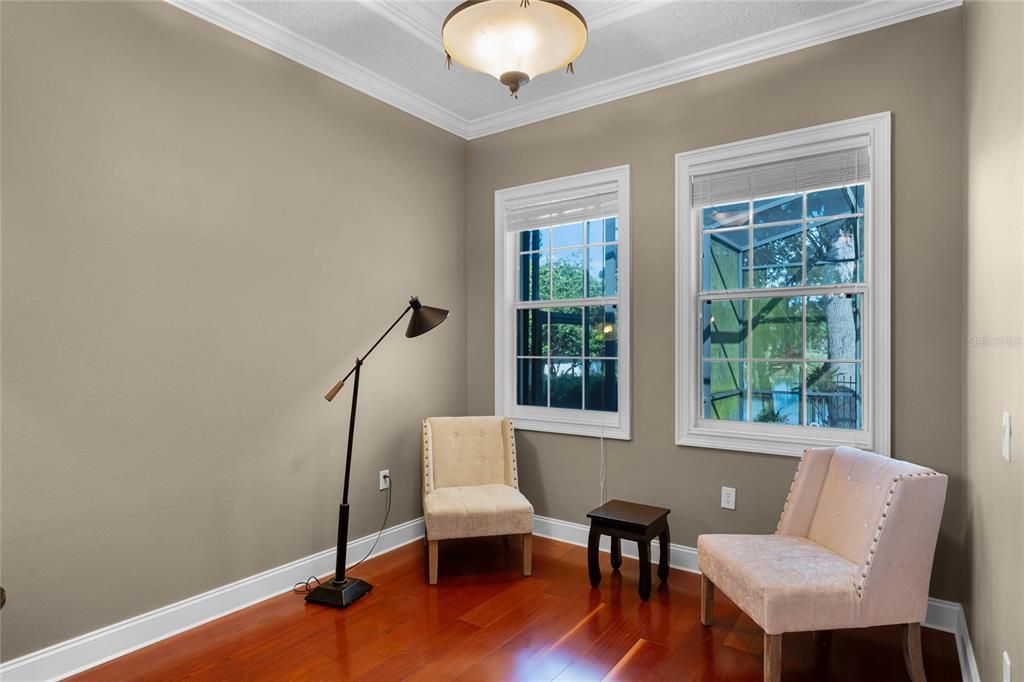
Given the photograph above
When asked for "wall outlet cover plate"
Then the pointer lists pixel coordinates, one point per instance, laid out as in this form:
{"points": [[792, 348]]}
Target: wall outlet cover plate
{"points": [[728, 498]]}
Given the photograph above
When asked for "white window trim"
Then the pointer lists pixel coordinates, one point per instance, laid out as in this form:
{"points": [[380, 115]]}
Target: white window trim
{"points": [[691, 428], [551, 419]]}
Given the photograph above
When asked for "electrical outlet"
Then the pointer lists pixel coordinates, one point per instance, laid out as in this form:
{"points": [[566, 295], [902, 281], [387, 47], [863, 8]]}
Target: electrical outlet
{"points": [[385, 479], [1007, 435], [1007, 668], [728, 498]]}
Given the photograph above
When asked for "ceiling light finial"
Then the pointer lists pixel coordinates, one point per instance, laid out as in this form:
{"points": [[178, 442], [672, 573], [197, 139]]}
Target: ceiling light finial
{"points": [[498, 38]]}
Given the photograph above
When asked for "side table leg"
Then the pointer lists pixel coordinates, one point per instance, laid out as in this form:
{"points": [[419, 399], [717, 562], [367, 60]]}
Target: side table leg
{"points": [[616, 552], [593, 565], [665, 546], [644, 546]]}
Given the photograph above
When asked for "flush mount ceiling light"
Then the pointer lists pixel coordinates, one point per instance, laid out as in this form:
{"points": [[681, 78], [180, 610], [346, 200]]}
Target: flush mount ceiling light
{"points": [[514, 40]]}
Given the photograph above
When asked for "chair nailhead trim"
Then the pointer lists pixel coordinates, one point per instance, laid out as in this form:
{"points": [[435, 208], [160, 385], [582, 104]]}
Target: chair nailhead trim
{"points": [[785, 505], [881, 524]]}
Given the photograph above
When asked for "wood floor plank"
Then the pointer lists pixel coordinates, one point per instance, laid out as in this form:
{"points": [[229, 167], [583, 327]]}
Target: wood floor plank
{"points": [[509, 598], [641, 662], [485, 621], [485, 641], [514, 660]]}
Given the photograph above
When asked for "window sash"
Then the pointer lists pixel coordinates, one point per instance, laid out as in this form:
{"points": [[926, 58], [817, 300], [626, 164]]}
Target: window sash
{"points": [[799, 226], [749, 360]]}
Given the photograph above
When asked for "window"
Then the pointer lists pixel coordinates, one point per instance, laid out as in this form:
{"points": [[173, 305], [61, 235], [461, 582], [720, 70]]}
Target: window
{"points": [[562, 304], [783, 291]]}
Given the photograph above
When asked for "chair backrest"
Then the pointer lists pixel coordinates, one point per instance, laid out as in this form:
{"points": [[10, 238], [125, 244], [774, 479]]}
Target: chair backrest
{"points": [[882, 514], [461, 451]]}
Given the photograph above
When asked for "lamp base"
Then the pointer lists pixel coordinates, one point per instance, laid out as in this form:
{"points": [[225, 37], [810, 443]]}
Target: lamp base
{"points": [[339, 595]]}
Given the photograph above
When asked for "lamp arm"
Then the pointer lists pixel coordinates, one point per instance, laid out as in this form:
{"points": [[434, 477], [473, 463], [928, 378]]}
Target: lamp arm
{"points": [[338, 386], [342, 548]]}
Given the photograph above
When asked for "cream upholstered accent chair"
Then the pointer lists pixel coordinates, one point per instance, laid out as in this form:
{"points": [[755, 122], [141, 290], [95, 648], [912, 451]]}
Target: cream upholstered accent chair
{"points": [[853, 549], [470, 484]]}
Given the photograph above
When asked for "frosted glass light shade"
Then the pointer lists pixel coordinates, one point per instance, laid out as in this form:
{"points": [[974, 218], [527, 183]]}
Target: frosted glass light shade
{"points": [[512, 42]]}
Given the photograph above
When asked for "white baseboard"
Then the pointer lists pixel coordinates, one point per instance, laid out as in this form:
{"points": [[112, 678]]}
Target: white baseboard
{"points": [[942, 615], [92, 649], [968, 664], [99, 646]]}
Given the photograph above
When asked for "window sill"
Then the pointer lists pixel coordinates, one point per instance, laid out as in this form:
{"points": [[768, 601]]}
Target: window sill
{"points": [[768, 441], [593, 429]]}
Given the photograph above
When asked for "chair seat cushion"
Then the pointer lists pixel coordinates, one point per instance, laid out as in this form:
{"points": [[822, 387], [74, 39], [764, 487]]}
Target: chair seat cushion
{"points": [[475, 511], [784, 583]]}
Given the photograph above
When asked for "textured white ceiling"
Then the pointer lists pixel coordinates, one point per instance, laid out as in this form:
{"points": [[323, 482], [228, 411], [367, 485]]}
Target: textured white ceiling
{"points": [[391, 49], [652, 33]]}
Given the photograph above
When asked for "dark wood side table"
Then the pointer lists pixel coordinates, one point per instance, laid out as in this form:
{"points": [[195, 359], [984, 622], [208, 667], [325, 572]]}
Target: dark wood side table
{"points": [[640, 523]]}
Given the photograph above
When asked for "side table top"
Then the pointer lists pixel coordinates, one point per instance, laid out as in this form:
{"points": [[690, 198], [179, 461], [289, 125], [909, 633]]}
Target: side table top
{"points": [[632, 513]]}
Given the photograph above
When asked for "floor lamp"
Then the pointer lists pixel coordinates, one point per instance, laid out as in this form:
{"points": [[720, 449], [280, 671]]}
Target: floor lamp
{"points": [[342, 590]]}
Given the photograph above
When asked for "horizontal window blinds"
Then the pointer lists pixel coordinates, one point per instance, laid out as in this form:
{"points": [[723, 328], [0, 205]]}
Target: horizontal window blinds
{"points": [[588, 203], [841, 167]]}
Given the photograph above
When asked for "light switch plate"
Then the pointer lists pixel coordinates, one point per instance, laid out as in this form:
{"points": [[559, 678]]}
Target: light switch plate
{"points": [[1007, 668], [728, 498], [1007, 435]]}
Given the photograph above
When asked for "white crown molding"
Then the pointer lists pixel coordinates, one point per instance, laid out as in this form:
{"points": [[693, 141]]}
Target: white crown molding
{"points": [[263, 32], [415, 18], [841, 24]]}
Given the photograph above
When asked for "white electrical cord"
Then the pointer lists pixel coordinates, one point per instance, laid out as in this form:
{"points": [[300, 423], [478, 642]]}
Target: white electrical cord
{"points": [[604, 469]]}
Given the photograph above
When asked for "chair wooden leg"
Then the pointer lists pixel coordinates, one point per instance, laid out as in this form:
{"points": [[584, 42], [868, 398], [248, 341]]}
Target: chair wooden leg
{"points": [[772, 658], [707, 599], [432, 561], [912, 651], [528, 554]]}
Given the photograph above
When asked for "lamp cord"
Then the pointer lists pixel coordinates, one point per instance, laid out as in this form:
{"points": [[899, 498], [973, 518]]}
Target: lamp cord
{"points": [[306, 586]]}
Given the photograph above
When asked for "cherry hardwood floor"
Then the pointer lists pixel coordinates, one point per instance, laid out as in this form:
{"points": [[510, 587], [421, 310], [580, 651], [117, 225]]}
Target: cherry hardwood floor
{"points": [[485, 621]]}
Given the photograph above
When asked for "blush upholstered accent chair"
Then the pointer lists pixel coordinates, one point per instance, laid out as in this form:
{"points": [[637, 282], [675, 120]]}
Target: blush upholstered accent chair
{"points": [[470, 484], [853, 549]]}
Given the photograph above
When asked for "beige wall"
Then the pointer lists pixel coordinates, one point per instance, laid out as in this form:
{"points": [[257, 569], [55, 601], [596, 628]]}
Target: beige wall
{"points": [[994, 355], [198, 238], [913, 69]]}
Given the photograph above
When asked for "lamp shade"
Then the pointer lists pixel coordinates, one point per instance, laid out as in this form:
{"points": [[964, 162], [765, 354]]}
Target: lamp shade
{"points": [[514, 40], [424, 318]]}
